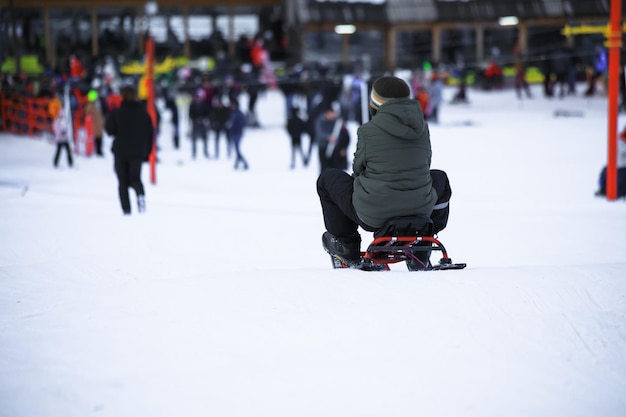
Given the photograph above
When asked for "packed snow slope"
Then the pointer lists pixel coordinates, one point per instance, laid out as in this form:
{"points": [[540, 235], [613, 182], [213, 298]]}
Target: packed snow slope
{"points": [[220, 301]]}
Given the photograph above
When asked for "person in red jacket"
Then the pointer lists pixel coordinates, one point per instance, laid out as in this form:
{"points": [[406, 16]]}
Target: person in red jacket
{"points": [[77, 71], [493, 74]]}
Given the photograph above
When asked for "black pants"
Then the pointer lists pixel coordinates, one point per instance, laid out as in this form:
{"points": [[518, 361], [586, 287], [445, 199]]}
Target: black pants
{"points": [[128, 172], [68, 150], [296, 148], [441, 211], [176, 138], [335, 187], [621, 182], [98, 145], [198, 131]]}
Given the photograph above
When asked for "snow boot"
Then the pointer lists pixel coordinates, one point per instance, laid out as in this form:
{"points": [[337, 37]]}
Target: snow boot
{"points": [[348, 252]]}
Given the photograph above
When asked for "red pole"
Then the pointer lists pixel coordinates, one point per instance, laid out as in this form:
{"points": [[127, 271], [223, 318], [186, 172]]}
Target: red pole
{"points": [[615, 45], [151, 102]]}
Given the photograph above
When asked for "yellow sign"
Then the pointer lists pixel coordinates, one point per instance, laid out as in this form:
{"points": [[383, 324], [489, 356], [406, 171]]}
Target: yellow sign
{"points": [[588, 30], [168, 64]]}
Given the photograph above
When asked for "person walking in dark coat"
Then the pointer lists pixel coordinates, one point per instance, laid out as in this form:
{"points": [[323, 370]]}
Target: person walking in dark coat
{"points": [[235, 127], [199, 118], [391, 174], [296, 127], [170, 104], [133, 137], [219, 117]]}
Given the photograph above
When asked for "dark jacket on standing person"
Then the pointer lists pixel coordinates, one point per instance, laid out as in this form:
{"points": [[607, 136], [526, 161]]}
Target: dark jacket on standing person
{"points": [[170, 104], [219, 116], [199, 115], [132, 129], [391, 164], [295, 126], [236, 124]]}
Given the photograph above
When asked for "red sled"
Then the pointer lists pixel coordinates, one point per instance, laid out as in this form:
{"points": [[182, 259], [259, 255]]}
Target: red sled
{"points": [[402, 239]]}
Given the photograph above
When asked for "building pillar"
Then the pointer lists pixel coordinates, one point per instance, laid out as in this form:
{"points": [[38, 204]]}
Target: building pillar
{"points": [[436, 44], [301, 34], [94, 32], [480, 43], [391, 41], [141, 30], [231, 32], [345, 56], [50, 54], [14, 41], [187, 46], [522, 35]]}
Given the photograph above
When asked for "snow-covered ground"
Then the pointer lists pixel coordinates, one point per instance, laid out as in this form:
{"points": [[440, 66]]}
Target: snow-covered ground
{"points": [[220, 301]]}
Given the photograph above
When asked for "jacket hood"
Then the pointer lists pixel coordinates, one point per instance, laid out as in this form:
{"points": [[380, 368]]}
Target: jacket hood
{"points": [[401, 118]]}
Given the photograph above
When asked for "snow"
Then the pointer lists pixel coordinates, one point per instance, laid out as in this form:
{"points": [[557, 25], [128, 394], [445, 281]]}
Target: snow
{"points": [[220, 301]]}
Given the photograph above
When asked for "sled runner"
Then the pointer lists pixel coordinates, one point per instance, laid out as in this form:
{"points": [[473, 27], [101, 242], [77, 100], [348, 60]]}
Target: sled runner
{"points": [[402, 239]]}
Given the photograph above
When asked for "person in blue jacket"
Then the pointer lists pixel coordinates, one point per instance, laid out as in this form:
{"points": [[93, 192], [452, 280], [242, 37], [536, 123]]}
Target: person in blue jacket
{"points": [[235, 128]]}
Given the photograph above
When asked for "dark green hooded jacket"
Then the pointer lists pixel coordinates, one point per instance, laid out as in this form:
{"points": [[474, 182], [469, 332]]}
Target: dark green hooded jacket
{"points": [[391, 166]]}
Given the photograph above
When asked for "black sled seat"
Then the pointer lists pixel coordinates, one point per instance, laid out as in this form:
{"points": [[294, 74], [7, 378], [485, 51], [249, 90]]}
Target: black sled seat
{"points": [[408, 239]]}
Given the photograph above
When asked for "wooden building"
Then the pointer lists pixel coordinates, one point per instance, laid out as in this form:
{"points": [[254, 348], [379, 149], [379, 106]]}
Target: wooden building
{"points": [[384, 34]]}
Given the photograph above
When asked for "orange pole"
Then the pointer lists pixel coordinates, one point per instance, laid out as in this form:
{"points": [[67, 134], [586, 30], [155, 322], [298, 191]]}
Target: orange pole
{"points": [[614, 46], [151, 103]]}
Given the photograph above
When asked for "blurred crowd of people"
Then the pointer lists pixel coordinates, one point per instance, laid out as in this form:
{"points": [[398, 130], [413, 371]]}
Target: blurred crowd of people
{"points": [[319, 101]]}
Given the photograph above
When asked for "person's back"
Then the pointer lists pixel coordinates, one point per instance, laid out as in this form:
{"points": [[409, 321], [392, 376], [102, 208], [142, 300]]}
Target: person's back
{"points": [[392, 164], [295, 125], [133, 133], [197, 110], [131, 128], [219, 116]]}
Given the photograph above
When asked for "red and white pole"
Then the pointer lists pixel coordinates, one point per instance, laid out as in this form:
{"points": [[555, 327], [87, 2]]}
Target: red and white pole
{"points": [[151, 103], [614, 43]]}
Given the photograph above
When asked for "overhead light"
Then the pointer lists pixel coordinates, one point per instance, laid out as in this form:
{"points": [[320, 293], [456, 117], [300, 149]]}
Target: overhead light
{"points": [[508, 21], [345, 29]]}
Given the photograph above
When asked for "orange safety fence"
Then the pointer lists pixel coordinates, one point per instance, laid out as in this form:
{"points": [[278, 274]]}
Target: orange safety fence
{"points": [[29, 115], [25, 115]]}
